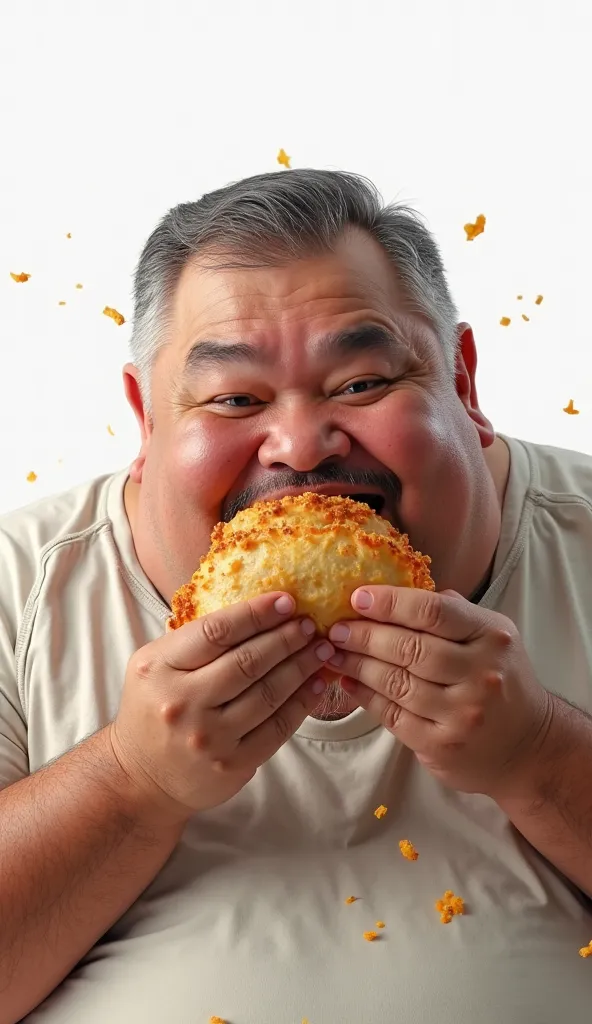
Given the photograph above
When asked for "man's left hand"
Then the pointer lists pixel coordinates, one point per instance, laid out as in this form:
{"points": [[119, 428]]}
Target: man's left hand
{"points": [[451, 680]]}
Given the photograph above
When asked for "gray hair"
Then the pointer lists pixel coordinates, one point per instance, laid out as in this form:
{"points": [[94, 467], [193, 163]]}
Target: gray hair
{"points": [[274, 218]]}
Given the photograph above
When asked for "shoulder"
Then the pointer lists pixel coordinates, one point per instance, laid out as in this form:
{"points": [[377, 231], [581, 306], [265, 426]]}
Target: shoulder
{"points": [[559, 475]]}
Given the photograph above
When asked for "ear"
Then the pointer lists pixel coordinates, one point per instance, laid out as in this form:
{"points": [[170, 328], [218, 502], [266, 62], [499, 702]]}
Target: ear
{"points": [[466, 388], [133, 394]]}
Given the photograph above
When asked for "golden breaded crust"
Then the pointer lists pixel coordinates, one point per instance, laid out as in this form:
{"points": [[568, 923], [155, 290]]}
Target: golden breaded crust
{"points": [[316, 547]]}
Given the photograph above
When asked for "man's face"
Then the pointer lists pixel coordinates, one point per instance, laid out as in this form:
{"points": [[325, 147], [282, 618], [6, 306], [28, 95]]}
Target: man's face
{"points": [[287, 377]]}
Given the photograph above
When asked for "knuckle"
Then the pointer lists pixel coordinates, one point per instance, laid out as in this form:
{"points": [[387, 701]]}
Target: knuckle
{"points": [[282, 727], [364, 634], [397, 683], [391, 717], [474, 717], [257, 619], [268, 693], [408, 649], [144, 663], [216, 629], [430, 610], [503, 637], [248, 661]]}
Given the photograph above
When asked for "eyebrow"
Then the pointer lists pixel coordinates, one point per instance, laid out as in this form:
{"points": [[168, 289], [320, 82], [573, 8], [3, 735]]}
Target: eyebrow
{"points": [[210, 354]]}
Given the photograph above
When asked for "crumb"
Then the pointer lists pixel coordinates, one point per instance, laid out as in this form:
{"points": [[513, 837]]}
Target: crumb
{"points": [[570, 409], [31, 477], [519, 297], [380, 924], [449, 906], [538, 300], [351, 899], [62, 303], [370, 936], [217, 1020], [586, 951], [475, 229], [408, 850], [20, 278], [283, 158], [305, 1020], [380, 811], [110, 430], [69, 235], [80, 286], [525, 317], [505, 321], [119, 319]]}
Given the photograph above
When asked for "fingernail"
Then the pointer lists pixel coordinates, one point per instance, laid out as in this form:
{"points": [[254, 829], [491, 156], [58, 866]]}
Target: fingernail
{"points": [[324, 651], [339, 632], [362, 599], [284, 604], [308, 627], [337, 658], [317, 686]]}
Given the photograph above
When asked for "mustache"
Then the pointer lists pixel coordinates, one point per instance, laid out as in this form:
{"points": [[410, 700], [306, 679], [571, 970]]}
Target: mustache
{"points": [[386, 482]]}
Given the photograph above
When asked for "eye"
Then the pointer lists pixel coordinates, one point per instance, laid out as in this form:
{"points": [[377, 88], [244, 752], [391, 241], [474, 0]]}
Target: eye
{"points": [[236, 401], [362, 387]]}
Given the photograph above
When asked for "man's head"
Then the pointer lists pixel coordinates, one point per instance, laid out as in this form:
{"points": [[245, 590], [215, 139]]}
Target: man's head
{"points": [[291, 332]]}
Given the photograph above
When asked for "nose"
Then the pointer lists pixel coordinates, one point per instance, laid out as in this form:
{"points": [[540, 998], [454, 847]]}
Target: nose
{"points": [[301, 439]]}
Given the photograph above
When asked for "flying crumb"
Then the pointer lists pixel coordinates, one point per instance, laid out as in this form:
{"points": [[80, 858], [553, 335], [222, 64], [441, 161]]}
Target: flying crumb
{"points": [[119, 319], [351, 899], [110, 430], [525, 317], [408, 850], [475, 229], [449, 906], [31, 477], [80, 286], [370, 936], [519, 297], [586, 951], [62, 303], [505, 321], [570, 410], [20, 278], [538, 300], [283, 158], [380, 811], [69, 235], [380, 924]]}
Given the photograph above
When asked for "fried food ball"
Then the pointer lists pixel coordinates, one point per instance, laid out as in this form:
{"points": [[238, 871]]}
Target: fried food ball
{"points": [[316, 547]]}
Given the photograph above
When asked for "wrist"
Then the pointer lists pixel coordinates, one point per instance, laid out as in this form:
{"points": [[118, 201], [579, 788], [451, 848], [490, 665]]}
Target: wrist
{"points": [[525, 779]]}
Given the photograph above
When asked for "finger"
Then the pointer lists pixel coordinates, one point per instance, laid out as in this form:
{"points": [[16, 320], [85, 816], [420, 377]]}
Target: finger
{"points": [[396, 685], [427, 656], [260, 701], [265, 740], [451, 618], [200, 642], [417, 733]]}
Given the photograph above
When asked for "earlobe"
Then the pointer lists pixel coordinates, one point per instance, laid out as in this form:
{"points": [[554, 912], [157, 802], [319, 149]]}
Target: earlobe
{"points": [[465, 382]]}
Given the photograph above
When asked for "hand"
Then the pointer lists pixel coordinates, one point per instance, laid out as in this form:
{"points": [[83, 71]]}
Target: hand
{"points": [[204, 706], [451, 680]]}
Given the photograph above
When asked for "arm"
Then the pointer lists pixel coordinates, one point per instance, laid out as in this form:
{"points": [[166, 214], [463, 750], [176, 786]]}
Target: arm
{"points": [[550, 802], [77, 848]]}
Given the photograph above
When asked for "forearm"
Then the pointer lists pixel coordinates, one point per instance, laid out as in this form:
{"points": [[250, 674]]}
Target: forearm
{"points": [[550, 802], [76, 850]]}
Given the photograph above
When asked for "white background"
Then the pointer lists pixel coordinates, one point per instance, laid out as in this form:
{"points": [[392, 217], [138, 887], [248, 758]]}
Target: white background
{"points": [[112, 112]]}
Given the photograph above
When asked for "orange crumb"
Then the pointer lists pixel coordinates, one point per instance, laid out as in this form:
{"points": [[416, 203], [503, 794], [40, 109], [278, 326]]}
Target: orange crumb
{"points": [[69, 235], [370, 936], [449, 906], [380, 811], [20, 278], [119, 319], [62, 303], [31, 477], [475, 229], [519, 297], [586, 951], [525, 317], [283, 158], [538, 300], [408, 850], [505, 321], [217, 1020], [80, 286], [380, 924], [351, 899], [110, 430], [570, 409]]}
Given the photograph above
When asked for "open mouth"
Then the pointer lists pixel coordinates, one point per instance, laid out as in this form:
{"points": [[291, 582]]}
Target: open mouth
{"points": [[375, 501]]}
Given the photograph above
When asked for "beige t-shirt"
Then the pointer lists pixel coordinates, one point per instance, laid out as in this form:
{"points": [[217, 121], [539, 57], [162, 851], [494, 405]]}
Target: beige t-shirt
{"points": [[248, 919]]}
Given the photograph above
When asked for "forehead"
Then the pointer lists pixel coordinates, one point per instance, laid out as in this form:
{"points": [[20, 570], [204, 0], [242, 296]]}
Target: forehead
{"points": [[316, 295]]}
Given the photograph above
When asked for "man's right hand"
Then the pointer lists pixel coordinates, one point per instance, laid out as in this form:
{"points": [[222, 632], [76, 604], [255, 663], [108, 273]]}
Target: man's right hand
{"points": [[205, 705]]}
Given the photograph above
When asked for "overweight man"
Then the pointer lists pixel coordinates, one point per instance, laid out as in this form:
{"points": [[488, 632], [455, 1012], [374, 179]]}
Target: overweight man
{"points": [[187, 826]]}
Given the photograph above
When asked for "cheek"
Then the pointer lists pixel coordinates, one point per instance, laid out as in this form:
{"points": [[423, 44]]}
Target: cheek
{"points": [[204, 458]]}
